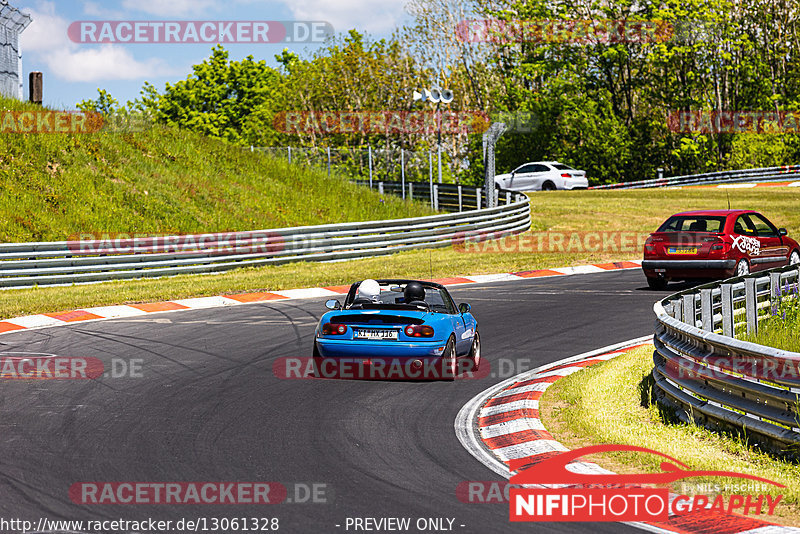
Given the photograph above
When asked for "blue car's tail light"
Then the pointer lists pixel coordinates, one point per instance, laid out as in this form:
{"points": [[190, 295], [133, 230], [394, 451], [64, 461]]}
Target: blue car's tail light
{"points": [[419, 331], [329, 329]]}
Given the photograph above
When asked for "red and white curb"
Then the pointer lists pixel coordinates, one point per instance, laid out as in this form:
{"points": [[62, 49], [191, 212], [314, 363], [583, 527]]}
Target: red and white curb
{"points": [[502, 423], [747, 185], [48, 320]]}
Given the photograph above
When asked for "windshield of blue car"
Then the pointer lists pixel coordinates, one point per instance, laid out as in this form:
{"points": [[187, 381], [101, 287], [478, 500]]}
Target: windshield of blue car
{"points": [[435, 298]]}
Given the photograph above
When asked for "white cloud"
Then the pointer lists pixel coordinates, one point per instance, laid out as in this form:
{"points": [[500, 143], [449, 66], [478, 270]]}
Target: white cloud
{"points": [[169, 8], [93, 9], [108, 62], [363, 15], [47, 32], [46, 41]]}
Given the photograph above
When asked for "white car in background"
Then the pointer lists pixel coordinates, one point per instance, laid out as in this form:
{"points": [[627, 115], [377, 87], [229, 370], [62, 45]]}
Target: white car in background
{"points": [[542, 175]]}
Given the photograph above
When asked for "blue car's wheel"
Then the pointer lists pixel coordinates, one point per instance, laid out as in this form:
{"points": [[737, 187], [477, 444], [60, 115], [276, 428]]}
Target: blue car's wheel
{"points": [[475, 351], [449, 358]]}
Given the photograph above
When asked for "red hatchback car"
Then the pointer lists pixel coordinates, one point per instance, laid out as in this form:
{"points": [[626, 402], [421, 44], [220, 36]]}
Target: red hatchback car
{"points": [[715, 244]]}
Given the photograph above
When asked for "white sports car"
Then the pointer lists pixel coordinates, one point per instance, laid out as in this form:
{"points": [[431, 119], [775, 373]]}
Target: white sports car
{"points": [[542, 175]]}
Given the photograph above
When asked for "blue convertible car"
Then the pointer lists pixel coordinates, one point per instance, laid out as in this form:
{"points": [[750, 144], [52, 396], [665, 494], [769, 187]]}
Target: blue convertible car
{"points": [[396, 329]]}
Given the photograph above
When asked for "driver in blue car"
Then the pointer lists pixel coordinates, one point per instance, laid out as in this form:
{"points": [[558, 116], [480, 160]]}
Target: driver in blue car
{"points": [[414, 294], [369, 291]]}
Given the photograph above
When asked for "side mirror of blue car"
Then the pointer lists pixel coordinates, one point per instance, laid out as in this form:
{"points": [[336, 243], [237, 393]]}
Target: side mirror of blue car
{"points": [[464, 307], [333, 304]]}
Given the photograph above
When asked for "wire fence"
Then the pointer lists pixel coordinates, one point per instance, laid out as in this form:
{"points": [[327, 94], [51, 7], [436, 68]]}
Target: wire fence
{"points": [[377, 164]]}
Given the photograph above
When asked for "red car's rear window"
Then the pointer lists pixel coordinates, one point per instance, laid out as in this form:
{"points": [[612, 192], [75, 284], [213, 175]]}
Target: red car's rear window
{"points": [[693, 223]]}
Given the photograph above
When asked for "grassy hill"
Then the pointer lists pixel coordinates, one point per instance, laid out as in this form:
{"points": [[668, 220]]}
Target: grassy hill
{"points": [[53, 186]]}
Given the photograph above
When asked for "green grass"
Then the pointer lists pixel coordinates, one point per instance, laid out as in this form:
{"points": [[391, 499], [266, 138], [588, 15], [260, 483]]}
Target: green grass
{"points": [[561, 211], [165, 181], [782, 329], [610, 403]]}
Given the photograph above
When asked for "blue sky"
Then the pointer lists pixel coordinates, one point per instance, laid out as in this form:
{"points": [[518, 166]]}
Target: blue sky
{"points": [[74, 71]]}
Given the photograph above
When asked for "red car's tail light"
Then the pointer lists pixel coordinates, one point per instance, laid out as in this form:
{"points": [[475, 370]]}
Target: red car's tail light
{"points": [[421, 330], [329, 329]]}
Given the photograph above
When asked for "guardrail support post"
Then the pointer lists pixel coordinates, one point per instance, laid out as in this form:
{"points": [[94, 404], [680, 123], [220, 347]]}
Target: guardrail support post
{"points": [[677, 309], [689, 310], [706, 312], [508, 197], [774, 288], [380, 188], [329, 162], [436, 197], [750, 304], [460, 200], [410, 190], [478, 197], [726, 292]]}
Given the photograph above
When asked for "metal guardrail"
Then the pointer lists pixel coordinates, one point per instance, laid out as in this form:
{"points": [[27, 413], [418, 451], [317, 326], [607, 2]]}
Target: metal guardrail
{"points": [[127, 257], [711, 377], [444, 197], [766, 174]]}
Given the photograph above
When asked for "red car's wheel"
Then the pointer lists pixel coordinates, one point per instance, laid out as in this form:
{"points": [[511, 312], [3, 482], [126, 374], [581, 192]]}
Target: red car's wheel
{"points": [[742, 268], [657, 284]]}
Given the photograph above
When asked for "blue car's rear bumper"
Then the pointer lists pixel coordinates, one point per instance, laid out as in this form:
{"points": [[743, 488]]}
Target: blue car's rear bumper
{"points": [[344, 348]]}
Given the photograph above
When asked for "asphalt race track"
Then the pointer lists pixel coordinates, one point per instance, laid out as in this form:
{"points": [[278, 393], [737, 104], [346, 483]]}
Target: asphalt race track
{"points": [[204, 405]]}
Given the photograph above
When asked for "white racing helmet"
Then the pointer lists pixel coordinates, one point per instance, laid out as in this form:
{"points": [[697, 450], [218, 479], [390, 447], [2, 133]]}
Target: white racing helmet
{"points": [[369, 289]]}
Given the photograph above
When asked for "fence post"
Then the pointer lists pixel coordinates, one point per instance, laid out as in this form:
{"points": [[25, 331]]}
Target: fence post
{"points": [[750, 303], [290, 154], [460, 200], [251, 148], [430, 173], [369, 148], [478, 197], [403, 172], [706, 311], [440, 162], [436, 197], [329, 162], [726, 292], [380, 188], [410, 190]]}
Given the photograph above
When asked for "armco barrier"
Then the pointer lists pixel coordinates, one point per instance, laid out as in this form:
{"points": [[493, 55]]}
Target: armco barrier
{"points": [[766, 174], [717, 380], [65, 262]]}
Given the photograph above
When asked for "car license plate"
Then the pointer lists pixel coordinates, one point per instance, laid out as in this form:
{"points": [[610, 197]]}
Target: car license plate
{"points": [[375, 334], [682, 250]]}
